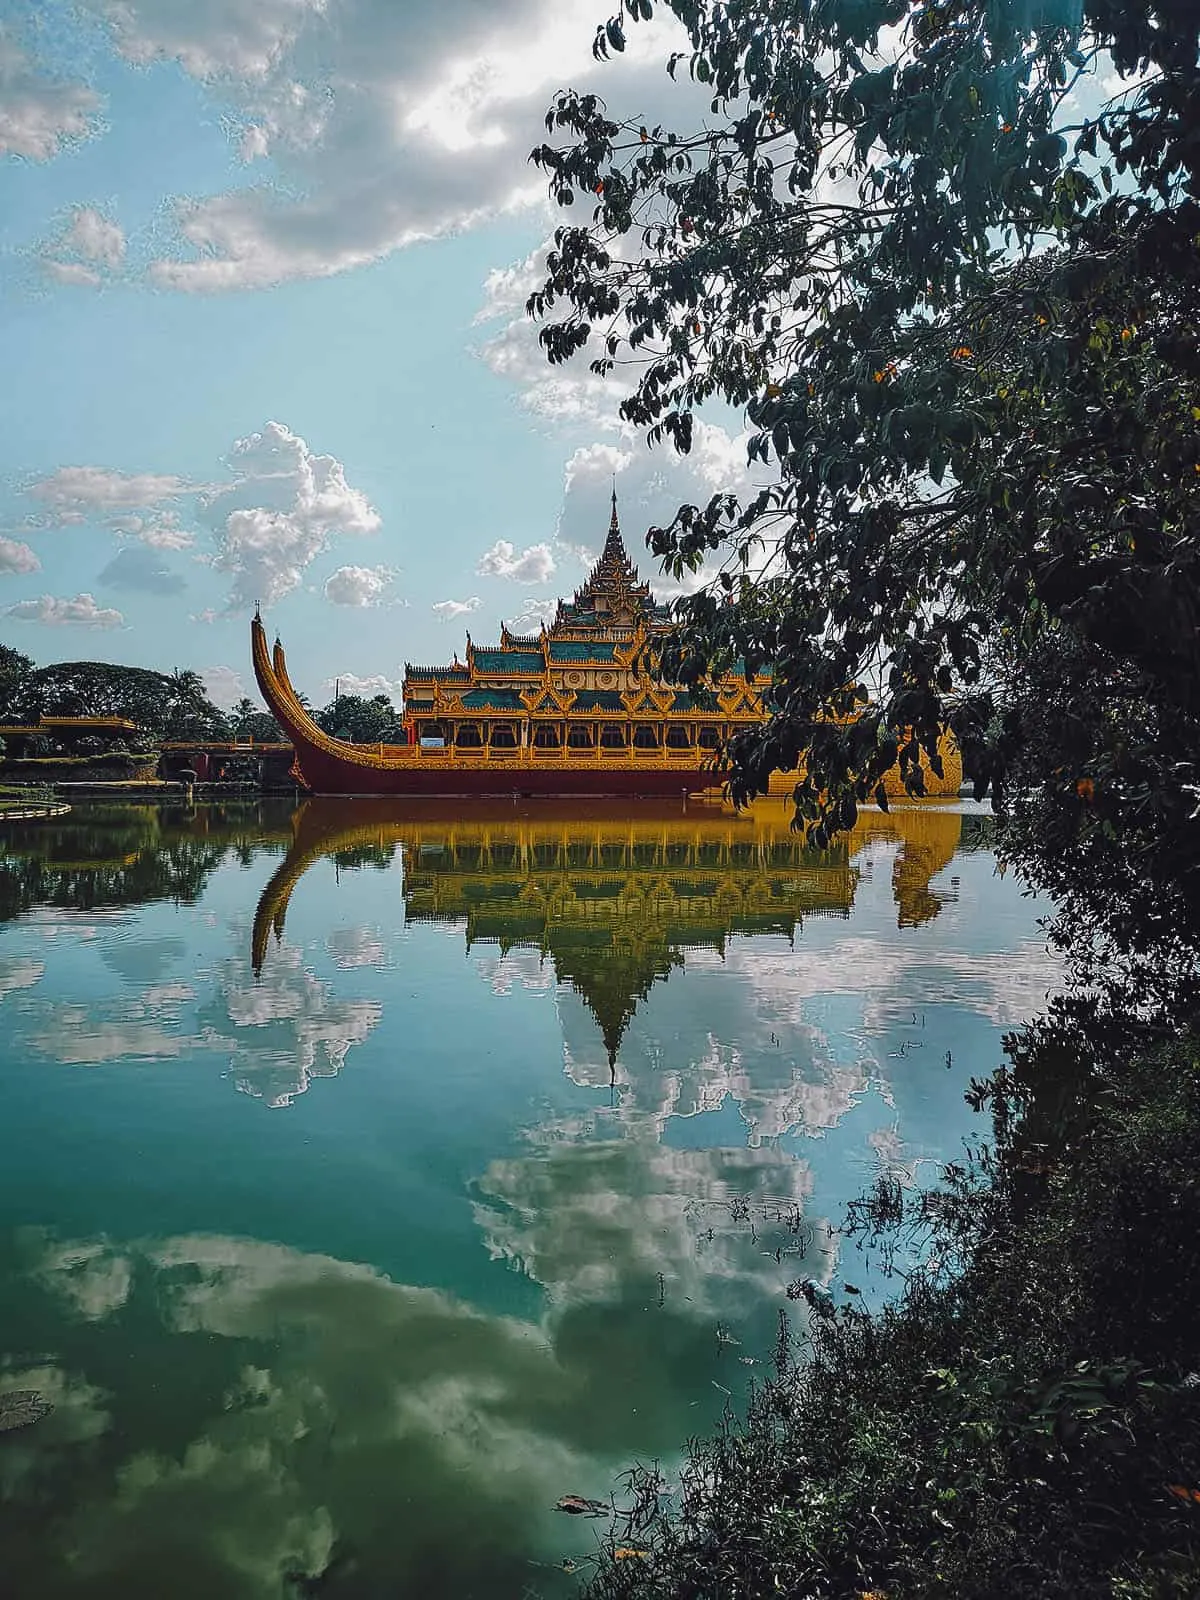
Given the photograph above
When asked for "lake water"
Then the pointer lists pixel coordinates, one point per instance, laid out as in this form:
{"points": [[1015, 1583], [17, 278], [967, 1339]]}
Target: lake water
{"points": [[370, 1179]]}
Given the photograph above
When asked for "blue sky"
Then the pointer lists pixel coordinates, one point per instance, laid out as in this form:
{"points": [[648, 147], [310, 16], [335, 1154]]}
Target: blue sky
{"points": [[262, 265]]}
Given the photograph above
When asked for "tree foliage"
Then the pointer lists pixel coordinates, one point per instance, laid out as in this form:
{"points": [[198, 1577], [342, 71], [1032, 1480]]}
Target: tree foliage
{"points": [[14, 666], [362, 721], [248, 721], [164, 705], [957, 307]]}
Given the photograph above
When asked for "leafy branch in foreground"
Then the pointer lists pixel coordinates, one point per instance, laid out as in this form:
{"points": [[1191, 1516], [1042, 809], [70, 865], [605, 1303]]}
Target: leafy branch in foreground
{"points": [[959, 316]]}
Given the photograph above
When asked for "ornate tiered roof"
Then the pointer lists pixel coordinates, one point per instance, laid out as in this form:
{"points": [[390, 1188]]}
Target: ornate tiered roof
{"points": [[583, 661], [612, 605], [612, 598]]}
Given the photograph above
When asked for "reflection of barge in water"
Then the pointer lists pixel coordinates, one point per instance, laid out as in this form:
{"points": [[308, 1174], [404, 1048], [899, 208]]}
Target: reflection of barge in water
{"points": [[563, 712], [613, 900]]}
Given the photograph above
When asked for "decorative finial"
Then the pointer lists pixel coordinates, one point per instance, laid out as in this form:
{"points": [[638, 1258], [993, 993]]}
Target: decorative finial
{"points": [[257, 612], [614, 526]]}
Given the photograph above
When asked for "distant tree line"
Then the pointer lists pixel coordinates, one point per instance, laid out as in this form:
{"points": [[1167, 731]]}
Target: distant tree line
{"points": [[170, 706]]}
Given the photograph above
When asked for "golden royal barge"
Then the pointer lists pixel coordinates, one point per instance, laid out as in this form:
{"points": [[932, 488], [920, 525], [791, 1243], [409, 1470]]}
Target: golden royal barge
{"points": [[564, 712]]}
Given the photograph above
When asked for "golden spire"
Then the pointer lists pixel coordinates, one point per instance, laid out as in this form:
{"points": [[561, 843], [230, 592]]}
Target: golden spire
{"points": [[614, 545]]}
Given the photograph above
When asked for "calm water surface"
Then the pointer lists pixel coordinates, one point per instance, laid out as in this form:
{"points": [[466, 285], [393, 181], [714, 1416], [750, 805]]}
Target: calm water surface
{"points": [[370, 1179]]}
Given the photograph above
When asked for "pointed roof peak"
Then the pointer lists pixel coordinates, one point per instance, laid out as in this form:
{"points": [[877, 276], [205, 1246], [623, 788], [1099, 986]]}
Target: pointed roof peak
{"points": [[614, 545]]}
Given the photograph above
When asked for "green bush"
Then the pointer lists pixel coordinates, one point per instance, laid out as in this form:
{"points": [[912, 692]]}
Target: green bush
{"points": [[1025, 1419]]}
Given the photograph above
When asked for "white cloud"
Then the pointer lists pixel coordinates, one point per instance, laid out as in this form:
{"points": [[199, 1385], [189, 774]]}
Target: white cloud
{"points": [[224, 685], [279, 514], [567, 395], [356, 947], [94, 237], [17, 557], [71, 272], [160, 530], [534, 564], [39, 114], [72, 493], [209, 38], [386, 122], [586, 1217], [489, 1414], [304, 1032], [351, 683], [255, 143], [448, 610], [651, 486], [75, 1037], [19, 972], [80, 612], [357, 586], [533, 614], [89, 250], [94, 1279]]}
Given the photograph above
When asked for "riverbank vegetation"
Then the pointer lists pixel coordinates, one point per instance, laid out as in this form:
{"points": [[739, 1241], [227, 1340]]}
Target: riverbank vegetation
{"points": [[944, 258], [164, 706]]}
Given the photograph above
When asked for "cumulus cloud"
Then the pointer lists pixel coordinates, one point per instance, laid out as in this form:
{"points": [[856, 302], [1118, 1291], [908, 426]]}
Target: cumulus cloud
{"points": [[533, 565], [223, 685], [38, 113], [567, 395], [74, 1036], [533, 615], [476, 1420], [71, 494], [387, 123], [71, 272], [280, 512], [300, 1031], [209, 38], [357, 586], [95, 237], [356, 947], [80, 612], [17, 557], [351, 683], [448, 610], [160, 530], [89, 250], [651, 485], [590, 1218], [94, 1280], [19, 972], [141, 571]]}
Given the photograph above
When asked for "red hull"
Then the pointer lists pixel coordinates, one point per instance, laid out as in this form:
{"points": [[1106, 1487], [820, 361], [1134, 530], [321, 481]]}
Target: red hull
{"points": [[323, 775]]}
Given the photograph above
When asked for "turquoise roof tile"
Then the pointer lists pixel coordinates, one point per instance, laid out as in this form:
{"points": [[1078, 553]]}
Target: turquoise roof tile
{"points": [[525, 662], [581, 650], [493, 700], [598, 700]]}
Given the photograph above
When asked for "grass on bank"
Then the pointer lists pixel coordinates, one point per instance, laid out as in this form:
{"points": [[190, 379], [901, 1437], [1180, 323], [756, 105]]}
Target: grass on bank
{"points": [[1024, 1420]]}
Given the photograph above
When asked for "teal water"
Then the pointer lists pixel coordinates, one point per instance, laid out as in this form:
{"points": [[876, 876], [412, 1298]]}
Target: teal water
{"points": [[369, 1180]]}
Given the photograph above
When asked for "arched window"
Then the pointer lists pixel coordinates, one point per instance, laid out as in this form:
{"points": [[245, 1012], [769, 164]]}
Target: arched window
{"points": [[645, 736], [579, 737], [612, 736], [468, 736], [503, 736], [545, 736], [708, 738], [679, 736]]}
